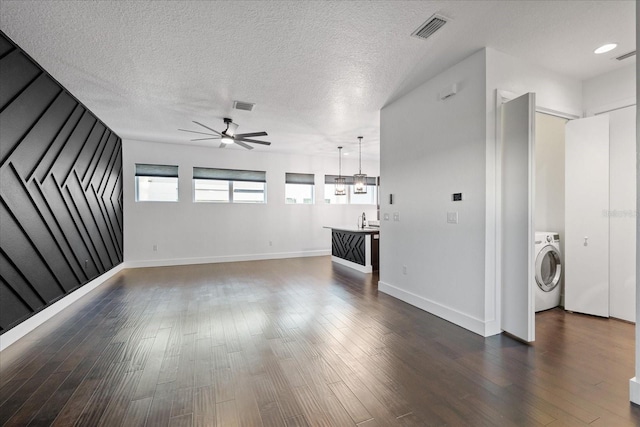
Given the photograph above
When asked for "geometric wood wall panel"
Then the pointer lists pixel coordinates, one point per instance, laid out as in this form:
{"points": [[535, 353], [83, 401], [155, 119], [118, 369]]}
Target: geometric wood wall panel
{"points": [[349, 246], [60, 190]]}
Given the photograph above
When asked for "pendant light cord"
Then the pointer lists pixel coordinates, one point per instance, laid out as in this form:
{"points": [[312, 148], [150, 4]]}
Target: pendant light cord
{"points": [[360, 155]]}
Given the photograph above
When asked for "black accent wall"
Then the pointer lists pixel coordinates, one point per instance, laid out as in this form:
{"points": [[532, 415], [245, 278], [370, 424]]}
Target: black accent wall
{"points": [[349, 246], [60, 190]]}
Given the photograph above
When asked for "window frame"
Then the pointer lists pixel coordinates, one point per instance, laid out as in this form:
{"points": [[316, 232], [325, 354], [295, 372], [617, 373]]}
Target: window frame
{"points": [[228, 175], [302, 179], [149, 170]]}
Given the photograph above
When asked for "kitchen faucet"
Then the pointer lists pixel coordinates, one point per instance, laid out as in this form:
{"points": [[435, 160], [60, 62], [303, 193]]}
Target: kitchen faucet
{"points": [[363, 220]]}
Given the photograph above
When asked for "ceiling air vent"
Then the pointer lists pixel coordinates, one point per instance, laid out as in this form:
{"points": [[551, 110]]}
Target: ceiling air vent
{"points": [[432, 25], [626, 55], [246, 106]]}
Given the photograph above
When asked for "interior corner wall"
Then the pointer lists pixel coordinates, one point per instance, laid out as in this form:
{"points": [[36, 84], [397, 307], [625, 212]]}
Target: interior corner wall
{"points": [[430, 149], [60, 190], [186, 232]]}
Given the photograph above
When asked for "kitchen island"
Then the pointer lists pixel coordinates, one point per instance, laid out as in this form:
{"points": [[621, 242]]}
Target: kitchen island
{"points": [[356, 247]]}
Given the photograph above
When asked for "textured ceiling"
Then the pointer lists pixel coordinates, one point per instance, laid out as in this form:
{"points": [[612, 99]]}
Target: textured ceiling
{"points": [[319, 71]]}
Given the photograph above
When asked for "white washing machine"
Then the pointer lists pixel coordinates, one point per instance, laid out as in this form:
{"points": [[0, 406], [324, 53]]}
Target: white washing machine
{"points": [[548, 265]]}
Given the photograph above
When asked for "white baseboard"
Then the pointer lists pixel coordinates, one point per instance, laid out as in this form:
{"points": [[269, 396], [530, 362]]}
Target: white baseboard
{"points": [[447, 313], [360, 268], [224, 258], [22, 329], [634, 390]]}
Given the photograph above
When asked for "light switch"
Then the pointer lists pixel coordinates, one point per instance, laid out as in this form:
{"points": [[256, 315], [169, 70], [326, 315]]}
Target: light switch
{"points": [[396, 216], [386, 217], [452, 217]]}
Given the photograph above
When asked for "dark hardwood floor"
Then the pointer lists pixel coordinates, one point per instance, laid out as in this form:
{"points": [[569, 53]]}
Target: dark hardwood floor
{"points": [[301, 342]]}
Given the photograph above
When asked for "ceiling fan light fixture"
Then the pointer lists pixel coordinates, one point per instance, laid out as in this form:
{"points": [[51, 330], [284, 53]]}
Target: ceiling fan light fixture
{"points": [[605, 48], [360, 179], [340, 182], [229, 135]]}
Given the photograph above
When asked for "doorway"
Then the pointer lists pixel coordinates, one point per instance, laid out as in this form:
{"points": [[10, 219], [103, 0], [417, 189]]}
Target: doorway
{"points": [[578, 172], [549, 210]]}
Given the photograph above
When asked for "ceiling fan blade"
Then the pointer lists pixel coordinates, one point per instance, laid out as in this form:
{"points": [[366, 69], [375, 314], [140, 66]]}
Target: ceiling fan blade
{"points": [[242, 144], [253, 141], [194, 131], [203, 139], [243, 135], [207, 127]]}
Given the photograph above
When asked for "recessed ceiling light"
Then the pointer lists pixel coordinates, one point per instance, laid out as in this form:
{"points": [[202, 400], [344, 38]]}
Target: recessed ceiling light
{"points": [[605, 48]]}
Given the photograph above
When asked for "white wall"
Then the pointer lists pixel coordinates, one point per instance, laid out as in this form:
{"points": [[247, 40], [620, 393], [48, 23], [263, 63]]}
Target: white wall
{"points": [[549, 158], [187, 232], [611, 90], [553, 91], [431, 148]]}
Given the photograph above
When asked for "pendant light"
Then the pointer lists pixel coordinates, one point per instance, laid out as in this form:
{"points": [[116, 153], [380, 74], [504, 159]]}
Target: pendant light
{"points": [[340, 181], [360, 179]]}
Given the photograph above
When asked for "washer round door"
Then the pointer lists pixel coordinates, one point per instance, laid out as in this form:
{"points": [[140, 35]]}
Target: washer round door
{"points": [[548, 268]]}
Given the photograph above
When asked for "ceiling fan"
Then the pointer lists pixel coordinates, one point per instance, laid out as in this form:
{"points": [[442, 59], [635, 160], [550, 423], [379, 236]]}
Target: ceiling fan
{"points": [[229, 135]]}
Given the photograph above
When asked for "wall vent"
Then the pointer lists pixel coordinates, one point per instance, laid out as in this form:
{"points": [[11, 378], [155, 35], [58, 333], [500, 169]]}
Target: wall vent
{"points": [[432, 25], [246, 106], [626, 55]]}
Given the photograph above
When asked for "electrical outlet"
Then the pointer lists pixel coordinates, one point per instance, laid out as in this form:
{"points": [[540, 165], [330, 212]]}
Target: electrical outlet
{"points": [[452, 217], [386, 217], [155, 248], [396, 216], [404, 269]]}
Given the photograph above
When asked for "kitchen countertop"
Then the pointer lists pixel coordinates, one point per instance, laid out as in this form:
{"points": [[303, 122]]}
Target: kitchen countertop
{"points": [[354, 229]]}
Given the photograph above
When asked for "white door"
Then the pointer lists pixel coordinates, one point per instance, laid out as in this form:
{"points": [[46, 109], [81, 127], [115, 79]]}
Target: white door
{"points": [[622, 221], [517, 170], [586, 246]]}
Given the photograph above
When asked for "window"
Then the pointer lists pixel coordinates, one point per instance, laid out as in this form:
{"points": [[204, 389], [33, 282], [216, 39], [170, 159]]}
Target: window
{"points": [[299, 188], [156, 183], [229, 186], [370, 198]]}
